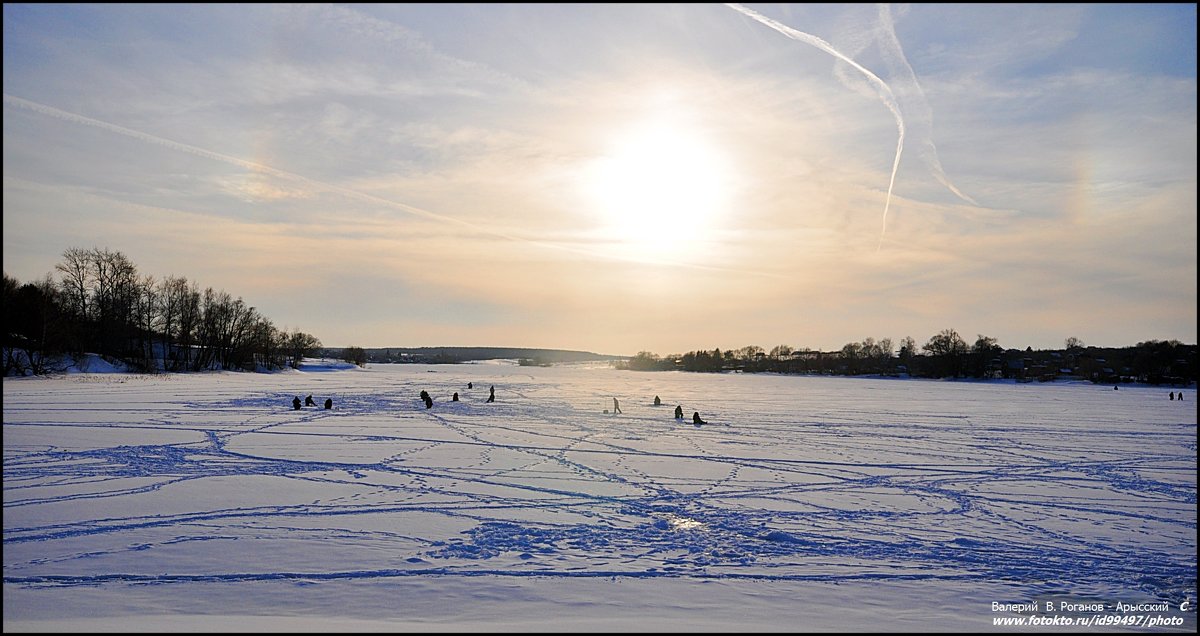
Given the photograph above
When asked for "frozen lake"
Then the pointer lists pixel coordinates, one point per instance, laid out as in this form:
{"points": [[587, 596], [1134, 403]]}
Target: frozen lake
{"points": [[206, 502]]}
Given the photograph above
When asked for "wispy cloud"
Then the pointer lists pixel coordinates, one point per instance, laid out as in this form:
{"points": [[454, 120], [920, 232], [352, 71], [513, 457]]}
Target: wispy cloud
{"points": [[1040, 162], [885, 93]]}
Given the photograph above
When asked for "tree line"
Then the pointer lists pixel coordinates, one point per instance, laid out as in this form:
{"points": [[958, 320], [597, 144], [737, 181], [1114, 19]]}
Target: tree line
{"points": [[947, 355], [99, 303]]}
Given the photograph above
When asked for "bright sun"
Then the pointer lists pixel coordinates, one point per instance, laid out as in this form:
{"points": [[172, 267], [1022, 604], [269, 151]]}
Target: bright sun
{"points": [[659, 187]]}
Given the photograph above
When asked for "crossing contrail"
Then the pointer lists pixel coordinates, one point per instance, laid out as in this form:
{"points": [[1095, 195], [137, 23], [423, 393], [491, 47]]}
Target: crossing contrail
{"points": [[893, 54], [889, 99]]}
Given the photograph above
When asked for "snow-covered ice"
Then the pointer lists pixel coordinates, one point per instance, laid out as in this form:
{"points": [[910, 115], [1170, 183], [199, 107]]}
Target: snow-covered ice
{"points": [[205, 502]]}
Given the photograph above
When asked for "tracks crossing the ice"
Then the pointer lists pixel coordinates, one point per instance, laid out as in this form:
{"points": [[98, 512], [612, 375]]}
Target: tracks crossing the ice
{"points": [[102, 491]]}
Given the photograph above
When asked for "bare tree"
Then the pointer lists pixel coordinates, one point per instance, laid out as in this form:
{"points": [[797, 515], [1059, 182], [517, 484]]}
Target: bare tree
{"points": [[779, 352], [301, 345], [982, 354], [76, 281], [189, 321], [886, 352], [169, 299], [355, 355], [948, 349]]}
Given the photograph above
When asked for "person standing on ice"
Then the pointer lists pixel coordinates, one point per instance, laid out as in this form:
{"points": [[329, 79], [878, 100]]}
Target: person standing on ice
{"points": [[492, 394], [616, 406]]}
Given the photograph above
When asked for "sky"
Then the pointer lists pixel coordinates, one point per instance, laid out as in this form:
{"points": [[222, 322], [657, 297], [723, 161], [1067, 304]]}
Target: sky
{"points": [[626, 177]]}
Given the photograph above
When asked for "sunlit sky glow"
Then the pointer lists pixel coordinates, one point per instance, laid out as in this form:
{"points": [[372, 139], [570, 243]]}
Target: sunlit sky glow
{"points": [[618, 178]]}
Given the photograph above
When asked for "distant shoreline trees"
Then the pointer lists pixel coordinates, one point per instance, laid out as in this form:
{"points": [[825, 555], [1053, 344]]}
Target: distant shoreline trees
{"points": [[355, 355], [947, 355], [101, 304]]}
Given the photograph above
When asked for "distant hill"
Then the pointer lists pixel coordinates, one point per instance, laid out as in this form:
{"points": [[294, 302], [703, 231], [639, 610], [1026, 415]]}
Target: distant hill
{"points": [[451, 355]]}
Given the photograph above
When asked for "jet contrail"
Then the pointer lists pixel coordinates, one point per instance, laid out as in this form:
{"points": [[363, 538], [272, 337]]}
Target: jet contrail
{"points": [[894, 54], [889, 99], [327, 187]]}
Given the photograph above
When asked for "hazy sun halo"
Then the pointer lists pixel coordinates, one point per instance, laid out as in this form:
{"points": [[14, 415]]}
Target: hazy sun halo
{"points": [[658, 186]]}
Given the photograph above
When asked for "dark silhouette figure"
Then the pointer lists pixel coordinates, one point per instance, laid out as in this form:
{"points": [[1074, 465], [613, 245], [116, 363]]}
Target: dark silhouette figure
{"points": [[616, 406], [1173, 395], [308, 401], [428, 400], [1116, 388], [679, 412], [492, 394], [1181, 396], [470, 385], [328, 403], [696, 419], [455, 398], [657, 402], [296, 403]]}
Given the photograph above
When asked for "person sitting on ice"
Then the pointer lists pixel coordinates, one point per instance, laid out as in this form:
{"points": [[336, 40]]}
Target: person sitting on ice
{"points": [[296, 403], [308, 401], [657, 402], [455, 397], [678, 412], [696, 419], [328, 403]]}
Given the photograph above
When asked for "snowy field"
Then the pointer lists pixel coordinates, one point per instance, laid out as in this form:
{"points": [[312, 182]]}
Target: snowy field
{"points": [[205, 502]]}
